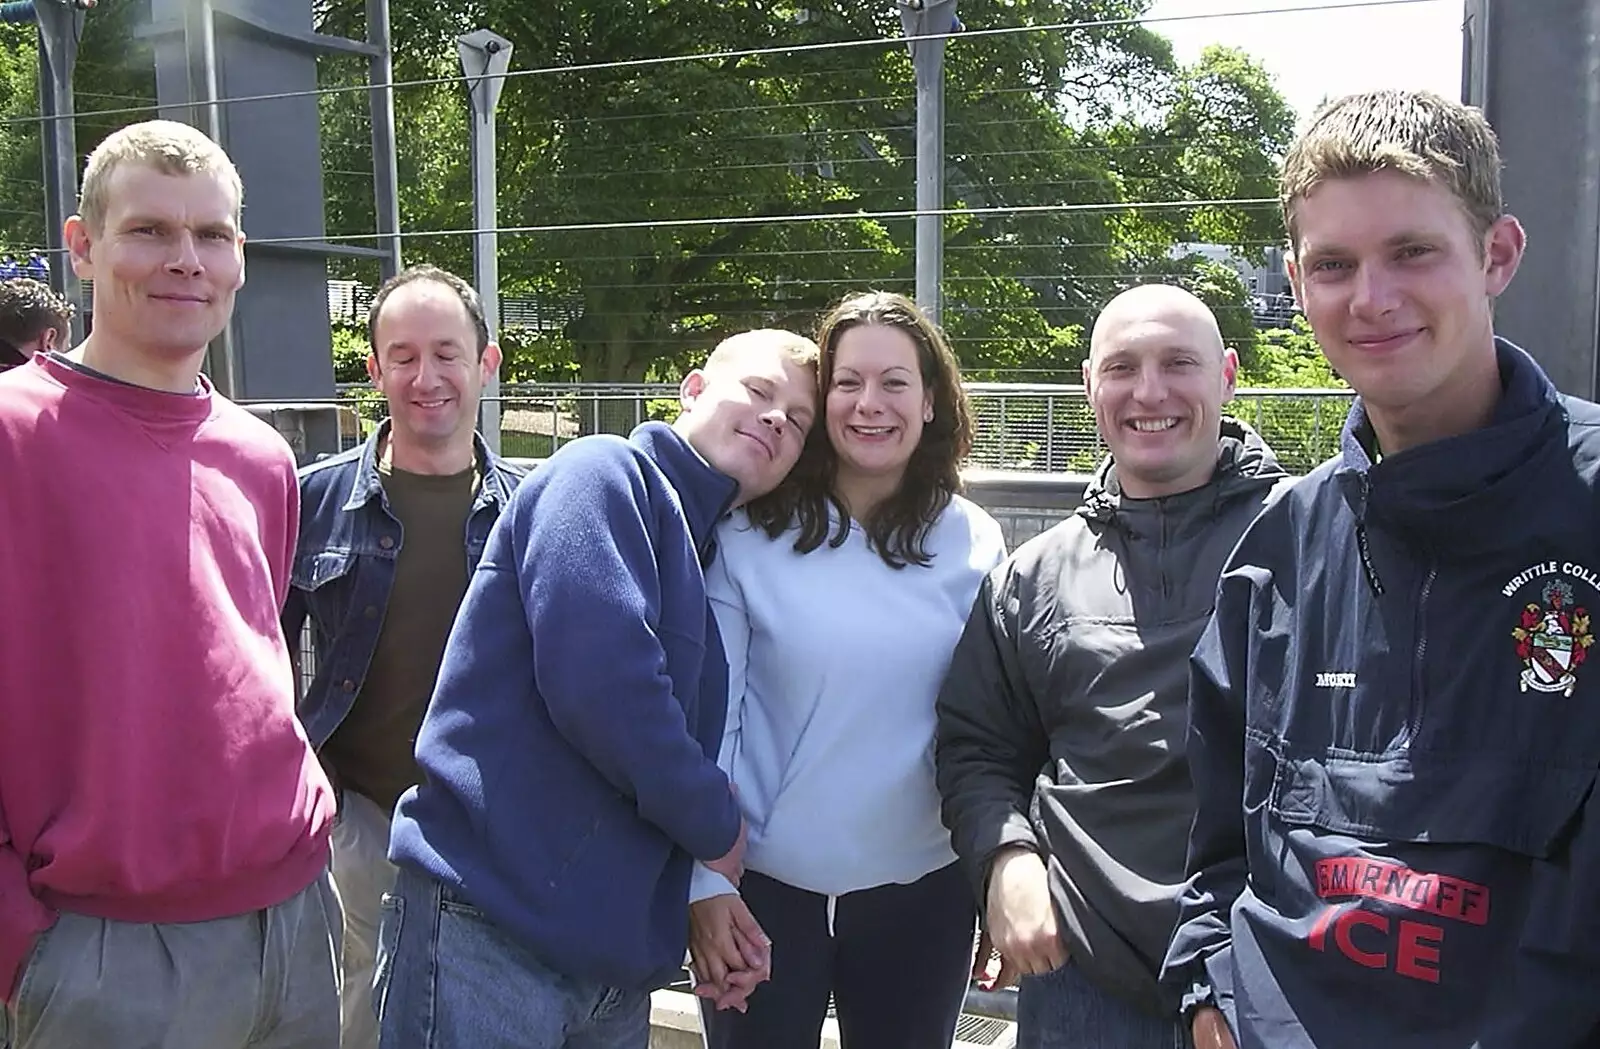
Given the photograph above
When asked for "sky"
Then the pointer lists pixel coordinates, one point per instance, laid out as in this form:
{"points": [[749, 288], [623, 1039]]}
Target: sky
{"points": [[1312, 52]]}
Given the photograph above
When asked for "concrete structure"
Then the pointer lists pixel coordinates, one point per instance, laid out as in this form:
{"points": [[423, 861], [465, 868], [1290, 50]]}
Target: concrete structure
{"points": [[225, 67], [675, 1024], [1534, 68]]}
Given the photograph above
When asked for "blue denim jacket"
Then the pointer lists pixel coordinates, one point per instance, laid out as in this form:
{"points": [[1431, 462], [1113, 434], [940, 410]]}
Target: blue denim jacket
{"points": [[344, 570]]}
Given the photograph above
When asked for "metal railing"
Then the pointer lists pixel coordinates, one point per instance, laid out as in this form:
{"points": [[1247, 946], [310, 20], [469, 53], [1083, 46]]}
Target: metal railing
{"points": [[1033, 427]]}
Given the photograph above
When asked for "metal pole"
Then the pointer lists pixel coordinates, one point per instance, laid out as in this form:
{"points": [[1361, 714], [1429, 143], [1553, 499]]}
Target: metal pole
{"points": [[920, 18], [385, 175], [60, 28], [203, 112], [485, 57]]}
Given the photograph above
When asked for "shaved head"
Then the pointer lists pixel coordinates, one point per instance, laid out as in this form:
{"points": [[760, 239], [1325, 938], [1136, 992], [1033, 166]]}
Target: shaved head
{"points": [[1165, 304], [1157, 377]]}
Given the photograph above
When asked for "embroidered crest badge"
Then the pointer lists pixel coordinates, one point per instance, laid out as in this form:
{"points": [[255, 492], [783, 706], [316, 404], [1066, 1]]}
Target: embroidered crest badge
{"points": [[1553, 640]]}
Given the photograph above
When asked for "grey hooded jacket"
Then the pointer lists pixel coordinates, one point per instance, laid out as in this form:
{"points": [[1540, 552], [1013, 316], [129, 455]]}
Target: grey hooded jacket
{"points": [[1063, 717]]}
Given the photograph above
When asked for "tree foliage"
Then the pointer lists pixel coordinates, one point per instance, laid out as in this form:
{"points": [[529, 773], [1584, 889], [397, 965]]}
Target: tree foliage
{"points": [[1083, 122], [1290, 357], [1072, 156]]}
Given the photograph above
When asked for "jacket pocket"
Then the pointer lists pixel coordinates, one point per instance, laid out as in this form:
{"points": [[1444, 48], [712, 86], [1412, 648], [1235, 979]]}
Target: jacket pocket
{"points": [[1518, 806], [22, 1014], [313, 570]]}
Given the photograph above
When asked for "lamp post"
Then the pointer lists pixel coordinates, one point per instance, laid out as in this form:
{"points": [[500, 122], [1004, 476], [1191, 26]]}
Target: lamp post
{"points": [[485, 57], [920, 18]]}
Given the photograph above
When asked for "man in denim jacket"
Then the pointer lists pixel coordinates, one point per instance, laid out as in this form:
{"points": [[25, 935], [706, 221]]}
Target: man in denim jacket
{"points": [[380, 572]]}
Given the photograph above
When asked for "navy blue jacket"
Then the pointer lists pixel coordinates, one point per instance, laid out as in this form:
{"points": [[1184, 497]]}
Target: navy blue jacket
{"points": [[1394, 737], [344, 570], [569, 751]]}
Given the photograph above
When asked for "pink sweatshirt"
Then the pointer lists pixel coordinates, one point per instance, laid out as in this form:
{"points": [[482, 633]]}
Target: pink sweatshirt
{"points": [[151, 766]]}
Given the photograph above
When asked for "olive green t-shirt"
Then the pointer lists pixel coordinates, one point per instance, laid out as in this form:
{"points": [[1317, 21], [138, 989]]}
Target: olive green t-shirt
{"points": [[373, 750]]}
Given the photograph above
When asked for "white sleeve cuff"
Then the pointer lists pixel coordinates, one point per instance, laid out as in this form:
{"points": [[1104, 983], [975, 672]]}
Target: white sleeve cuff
{"points": [[705, 883]]}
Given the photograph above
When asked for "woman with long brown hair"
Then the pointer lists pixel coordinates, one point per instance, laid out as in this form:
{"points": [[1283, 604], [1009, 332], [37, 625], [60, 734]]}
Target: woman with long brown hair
{"points": [[840, 599]]}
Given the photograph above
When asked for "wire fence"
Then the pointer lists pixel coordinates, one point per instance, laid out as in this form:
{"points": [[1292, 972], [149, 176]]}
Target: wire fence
{"points": [[650, 203], [1027, 427]]}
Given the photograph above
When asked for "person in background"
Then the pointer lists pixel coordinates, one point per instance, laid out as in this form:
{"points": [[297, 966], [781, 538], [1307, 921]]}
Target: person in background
{"points": [[33, 319]]}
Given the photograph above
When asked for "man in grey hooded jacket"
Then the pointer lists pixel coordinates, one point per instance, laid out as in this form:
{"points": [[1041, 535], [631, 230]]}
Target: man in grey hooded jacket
{"points": [[1060, 750]]}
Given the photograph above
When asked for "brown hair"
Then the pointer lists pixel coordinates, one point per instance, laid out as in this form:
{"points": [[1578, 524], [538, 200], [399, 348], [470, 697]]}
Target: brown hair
{"points": [[164, 145], [463, 291], [1416, 133], [27, 308], [898, 528]]}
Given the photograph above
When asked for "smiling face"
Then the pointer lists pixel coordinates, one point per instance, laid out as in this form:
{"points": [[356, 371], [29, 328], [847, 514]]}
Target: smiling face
{"points": [[166, 261], [876, 403], [1157, 377], [748, 410], [426, 362], [1399, 289]]}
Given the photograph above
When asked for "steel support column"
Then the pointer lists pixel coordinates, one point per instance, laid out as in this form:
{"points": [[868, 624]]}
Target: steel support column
{"points": [[60, 29]]}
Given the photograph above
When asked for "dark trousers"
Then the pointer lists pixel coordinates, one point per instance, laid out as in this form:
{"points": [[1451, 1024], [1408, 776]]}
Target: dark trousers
{"points": [[896, 959]]}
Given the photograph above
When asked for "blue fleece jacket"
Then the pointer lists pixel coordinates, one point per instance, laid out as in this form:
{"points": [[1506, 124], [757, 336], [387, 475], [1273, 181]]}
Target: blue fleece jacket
{"points": [[1394, 730], [569, 748]]}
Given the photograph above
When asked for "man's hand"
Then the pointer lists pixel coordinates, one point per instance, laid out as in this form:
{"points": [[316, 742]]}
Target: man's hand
{"points": [[1021, 919], [731, 954], [731, 866], [1210, 1029]]}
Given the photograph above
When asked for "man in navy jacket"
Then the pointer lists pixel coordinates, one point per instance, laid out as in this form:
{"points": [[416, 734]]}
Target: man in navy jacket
{"points": [[1393, 723], [569, 751]]}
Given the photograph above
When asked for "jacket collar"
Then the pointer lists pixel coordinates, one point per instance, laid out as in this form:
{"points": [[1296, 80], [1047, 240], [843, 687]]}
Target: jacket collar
{"points": [[492, 486], [706, 493], [1244, 463], [1458, 493]]}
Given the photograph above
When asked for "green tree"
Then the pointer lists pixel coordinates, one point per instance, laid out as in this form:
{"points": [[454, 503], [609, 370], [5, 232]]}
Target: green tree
{"points": [[1302, 428], [1290, 357], [1084, 117]]}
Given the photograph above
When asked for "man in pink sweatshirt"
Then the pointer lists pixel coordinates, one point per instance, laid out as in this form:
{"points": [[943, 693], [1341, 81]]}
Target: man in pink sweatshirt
{"points": [[163, 822]]}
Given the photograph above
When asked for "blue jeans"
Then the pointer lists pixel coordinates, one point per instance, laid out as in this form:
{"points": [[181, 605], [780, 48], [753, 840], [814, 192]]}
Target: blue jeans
{"points": [[449, 979], [1063, 1010]]}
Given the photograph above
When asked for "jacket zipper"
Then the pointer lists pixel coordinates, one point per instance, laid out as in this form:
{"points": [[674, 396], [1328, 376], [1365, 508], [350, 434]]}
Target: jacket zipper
{"points": [[1161, 553], [1367, 567], [1414, 725]]}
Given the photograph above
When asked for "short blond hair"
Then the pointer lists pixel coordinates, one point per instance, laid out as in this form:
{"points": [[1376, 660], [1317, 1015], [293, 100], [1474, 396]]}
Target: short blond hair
{"points": [[800, 351], [1415, 133], [164, 145]]}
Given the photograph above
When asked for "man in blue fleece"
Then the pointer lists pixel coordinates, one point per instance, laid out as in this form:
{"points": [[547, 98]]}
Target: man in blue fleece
{"points": [[569, 751], [1393, 721]]}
